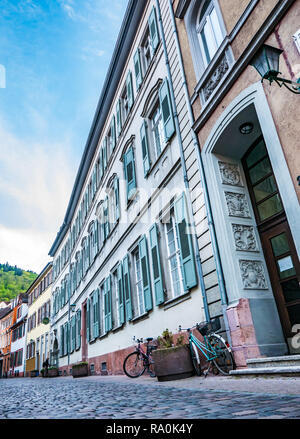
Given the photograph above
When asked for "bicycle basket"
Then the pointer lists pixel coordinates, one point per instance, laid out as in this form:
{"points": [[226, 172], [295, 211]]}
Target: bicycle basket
{"points": [[202, 329]]}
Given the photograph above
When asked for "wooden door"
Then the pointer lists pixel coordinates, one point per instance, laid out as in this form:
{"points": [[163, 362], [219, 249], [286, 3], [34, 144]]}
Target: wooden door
{"points": [[277, 242]]}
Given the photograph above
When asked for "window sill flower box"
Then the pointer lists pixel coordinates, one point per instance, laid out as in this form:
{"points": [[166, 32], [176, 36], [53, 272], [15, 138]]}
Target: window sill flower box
{"points": [[80, 370]]}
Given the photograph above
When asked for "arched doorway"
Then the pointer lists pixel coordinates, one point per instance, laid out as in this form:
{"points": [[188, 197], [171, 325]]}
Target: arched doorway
{"points": [[256, 212]]}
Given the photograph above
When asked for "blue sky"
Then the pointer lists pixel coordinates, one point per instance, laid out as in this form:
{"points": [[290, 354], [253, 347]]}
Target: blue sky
{"points": [[55, 55]]}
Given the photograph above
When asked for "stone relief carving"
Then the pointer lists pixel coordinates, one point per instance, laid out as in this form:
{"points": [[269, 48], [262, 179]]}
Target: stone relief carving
{"points": [[215, 78], [237, 205], [253, 275], [244, 237], [230, 174]]}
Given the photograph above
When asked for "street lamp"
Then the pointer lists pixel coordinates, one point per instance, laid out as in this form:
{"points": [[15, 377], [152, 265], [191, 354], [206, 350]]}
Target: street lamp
{"points": [[266, 62]]}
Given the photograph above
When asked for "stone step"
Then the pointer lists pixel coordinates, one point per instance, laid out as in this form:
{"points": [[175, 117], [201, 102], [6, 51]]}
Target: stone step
{"points": [[286, 360], [267, 371]]}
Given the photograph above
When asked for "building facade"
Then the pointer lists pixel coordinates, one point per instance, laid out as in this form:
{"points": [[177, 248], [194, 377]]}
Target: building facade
{"points": [[6, 321], [247, 134], [125, 259], [18, 336], [38, 321]]}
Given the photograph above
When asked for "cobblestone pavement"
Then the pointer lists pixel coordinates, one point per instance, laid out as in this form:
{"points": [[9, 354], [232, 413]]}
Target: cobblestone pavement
{"points": [[121, 397]]}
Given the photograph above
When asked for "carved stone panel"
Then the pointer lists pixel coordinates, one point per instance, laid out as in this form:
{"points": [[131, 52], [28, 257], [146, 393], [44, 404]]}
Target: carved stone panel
{"points": [[215, 78], [253, 275], [230, 174], [237, 205], [244, 238]]}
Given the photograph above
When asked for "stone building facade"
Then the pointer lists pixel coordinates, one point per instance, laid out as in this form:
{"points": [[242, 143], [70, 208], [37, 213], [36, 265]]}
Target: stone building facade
{"points": [[126, 259], [246, 164]]}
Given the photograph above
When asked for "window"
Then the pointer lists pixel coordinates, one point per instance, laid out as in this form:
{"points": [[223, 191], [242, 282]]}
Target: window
{"points": [[140, 305], [113, 202], [157, 130], [209, 31], [102, 309], [129, 171], [115, 300], [175, 267], [127, 97], [146, 50], [158, 127]]}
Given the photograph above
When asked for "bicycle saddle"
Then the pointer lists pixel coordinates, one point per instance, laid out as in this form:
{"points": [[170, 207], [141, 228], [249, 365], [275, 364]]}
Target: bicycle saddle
{"points": [[149, 338]]}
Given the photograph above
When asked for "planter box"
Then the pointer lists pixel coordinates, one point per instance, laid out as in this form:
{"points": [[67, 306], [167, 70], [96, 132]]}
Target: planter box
{"points": [[34, 373], [81, 371], [173, 363], [52, 373]]}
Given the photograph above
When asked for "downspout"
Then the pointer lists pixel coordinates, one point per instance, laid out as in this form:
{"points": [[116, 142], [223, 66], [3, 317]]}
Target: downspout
{"points": [[214, 242], [185, 177]]}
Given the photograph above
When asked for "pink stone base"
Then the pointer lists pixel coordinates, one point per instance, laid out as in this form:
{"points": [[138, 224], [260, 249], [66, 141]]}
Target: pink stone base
{"points": [[242, 332]]}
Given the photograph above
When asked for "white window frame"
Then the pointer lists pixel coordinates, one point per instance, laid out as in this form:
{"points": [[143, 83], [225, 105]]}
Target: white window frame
{"points": [[200, 27], [138, 284], [176, 254]]}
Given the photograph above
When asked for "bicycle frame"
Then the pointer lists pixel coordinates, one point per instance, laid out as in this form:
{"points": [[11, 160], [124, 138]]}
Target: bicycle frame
{"points": [[206, 346]]}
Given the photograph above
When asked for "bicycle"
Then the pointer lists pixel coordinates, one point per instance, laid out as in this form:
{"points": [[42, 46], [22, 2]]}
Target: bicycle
{"points": [[138, 361], [215, 349]]}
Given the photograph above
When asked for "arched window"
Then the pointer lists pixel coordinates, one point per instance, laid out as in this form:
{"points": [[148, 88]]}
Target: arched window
{"points": [[209, 31], [206, 32]]}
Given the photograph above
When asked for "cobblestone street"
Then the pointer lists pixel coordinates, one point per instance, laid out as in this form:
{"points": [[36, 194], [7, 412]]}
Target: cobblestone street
{"points": [[120, 397]]}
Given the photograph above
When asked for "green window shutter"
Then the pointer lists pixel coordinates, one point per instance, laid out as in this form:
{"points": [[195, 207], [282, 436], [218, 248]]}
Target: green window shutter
{"points": [[78, 329], [146, 280], [129, 88], [129, 170], [106, 218], [138, 68], [166, 110], [62, 341], [96, 240], [100, 169], [96, 326], [88, 320], [185, 243], [117, 197], [105, 154], [127, 288], [156, 265], [113, 132], [153, 28], [145, 148], [119, 117], [107, 304], [121, 294], [73, 333], [66, 338]]}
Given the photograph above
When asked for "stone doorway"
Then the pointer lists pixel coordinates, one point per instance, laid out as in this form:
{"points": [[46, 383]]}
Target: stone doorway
{"points": [[255, 325]]}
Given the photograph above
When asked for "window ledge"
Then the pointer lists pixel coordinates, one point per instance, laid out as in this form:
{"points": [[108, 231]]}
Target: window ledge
{"points": [[141, 317], [155, 164], [176, 300], [132, 198], [117, 328], [103, 335]]}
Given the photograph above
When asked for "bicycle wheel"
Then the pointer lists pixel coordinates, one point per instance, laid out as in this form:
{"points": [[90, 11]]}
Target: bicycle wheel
{"points": [[224, 361], [133, 365], [196, 364]]}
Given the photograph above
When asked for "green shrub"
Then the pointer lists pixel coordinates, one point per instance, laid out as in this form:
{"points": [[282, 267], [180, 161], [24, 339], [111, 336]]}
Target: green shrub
{"points": [[76, 366]]}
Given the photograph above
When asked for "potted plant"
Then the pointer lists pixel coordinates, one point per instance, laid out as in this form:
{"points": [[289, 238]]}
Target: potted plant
{"points": [[52, 371], [80, 369], [42, 371], [172, 361]]}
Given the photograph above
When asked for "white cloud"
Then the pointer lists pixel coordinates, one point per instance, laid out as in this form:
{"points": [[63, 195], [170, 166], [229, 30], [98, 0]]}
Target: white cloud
{"points": [[37, 179], [28, 249]]}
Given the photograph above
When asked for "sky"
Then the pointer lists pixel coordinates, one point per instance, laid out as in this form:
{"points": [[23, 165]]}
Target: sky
{"points": [[54, 56]]}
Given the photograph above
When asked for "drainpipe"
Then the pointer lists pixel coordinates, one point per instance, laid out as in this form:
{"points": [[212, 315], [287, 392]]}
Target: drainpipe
{"points": [[219, 270], [185, 177]]}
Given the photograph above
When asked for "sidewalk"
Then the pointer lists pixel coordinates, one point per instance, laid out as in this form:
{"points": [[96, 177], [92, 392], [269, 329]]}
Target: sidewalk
{"points": [[272, 386]]}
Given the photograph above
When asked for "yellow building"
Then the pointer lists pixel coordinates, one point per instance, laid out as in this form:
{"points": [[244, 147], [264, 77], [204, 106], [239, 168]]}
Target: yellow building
{"points": [[38, 321]]}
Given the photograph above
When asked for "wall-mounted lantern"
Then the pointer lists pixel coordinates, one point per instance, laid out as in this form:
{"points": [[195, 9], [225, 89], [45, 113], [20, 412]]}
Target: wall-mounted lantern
{"points": [[73, 307], [266, 62]]}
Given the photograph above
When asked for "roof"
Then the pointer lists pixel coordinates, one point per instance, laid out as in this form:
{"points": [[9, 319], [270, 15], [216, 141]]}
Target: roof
{"points": [[36, 281], [123, 45], [5, 311]]}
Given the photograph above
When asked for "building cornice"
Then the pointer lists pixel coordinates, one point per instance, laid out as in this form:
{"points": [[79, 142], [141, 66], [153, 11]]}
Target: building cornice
{"points": [[125, 39]]}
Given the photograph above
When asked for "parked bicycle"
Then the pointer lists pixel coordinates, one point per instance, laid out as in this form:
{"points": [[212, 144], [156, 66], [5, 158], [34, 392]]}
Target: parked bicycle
{"points": [[215, 349], [138, 361]]}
